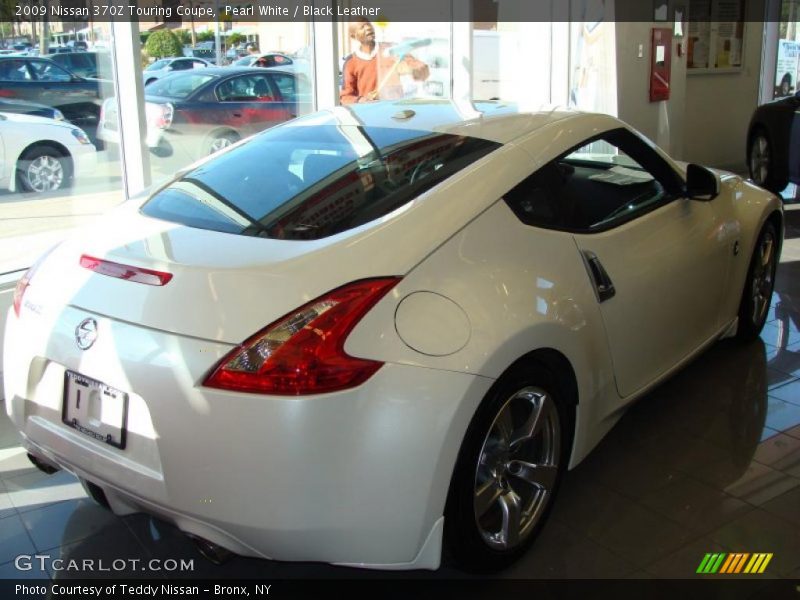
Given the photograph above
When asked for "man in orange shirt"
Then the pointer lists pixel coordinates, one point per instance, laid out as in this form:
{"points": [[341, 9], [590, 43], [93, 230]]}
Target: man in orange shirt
{"points": [[370, 74]]}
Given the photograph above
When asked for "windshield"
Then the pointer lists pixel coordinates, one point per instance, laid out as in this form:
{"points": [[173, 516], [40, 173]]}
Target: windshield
{"points": [[244, 61], [159, 64], [306, 183], [177, 86]]}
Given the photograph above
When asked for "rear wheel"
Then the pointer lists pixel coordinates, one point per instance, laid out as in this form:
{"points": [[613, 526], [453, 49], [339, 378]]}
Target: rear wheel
{"points": [[508, 470], [43, 169], [761, 161], [759, 285]]}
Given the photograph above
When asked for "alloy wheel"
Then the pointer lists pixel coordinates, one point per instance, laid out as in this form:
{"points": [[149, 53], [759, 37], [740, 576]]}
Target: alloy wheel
{"points": [[759, 159], [517, 469], [45, 173], [220, 143], [763, 276]]}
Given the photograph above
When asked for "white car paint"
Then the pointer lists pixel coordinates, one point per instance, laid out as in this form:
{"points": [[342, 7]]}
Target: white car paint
{"points": [[19, 132], [360, 476], [150, 75]]}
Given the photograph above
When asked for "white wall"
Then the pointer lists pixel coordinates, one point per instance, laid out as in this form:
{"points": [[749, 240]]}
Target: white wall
{"points": [[719, 106], [663, 122]]}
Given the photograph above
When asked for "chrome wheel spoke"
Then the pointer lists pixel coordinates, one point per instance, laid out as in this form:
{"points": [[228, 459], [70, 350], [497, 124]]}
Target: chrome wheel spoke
{"points": [[511, 505], [485, 497], [541, 476], [505, 425], [540, 405]]}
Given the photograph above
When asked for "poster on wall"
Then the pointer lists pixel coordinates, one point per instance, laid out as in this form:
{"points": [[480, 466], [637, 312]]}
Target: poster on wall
{"points": [[716, 34]]}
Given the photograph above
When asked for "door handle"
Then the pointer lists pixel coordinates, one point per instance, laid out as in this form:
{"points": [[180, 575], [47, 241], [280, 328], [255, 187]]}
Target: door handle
{"points": [[603, 286]]}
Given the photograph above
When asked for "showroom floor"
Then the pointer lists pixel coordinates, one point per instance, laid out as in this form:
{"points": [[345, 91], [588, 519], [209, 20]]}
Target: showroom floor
{"points": [[708, 462]]}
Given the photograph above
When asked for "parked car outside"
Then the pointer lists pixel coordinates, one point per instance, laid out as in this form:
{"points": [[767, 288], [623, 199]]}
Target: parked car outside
{"points": [[24, 107], [195, 113], [400, 327], [42, 155], [166, 66], [773, 144], [42, 81], [90, 65]]}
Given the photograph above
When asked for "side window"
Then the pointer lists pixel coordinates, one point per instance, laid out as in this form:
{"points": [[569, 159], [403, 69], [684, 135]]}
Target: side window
{"points": [[286, 85], [48, 71], [181, 65], [14, 70], [198, 64], [600, 184], [247, 88]]}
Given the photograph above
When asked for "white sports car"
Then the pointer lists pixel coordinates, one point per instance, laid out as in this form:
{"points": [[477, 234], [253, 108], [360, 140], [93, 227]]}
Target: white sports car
{"points": [[372, 330], [38, 154]]}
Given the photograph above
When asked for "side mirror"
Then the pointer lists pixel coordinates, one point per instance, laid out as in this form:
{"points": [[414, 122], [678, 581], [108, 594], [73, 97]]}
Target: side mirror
{"points": [[701, 183]]}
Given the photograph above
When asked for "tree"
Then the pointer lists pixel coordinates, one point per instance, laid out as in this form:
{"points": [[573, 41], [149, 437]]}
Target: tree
{"points": [[163, 43], [184, 36], [205, 36], [235, 39]]}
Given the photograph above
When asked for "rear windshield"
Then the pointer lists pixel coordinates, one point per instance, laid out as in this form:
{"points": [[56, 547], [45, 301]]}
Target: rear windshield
{"points": [[177, 86], [306, 183]]}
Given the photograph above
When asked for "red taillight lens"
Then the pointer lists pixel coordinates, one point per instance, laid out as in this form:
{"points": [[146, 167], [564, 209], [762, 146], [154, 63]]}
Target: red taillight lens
{"points": [[127, 272], [303, 353], [22, 284]]}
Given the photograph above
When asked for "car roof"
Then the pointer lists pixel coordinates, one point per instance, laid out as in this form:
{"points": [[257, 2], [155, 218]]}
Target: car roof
{"points": [[500, 122]]}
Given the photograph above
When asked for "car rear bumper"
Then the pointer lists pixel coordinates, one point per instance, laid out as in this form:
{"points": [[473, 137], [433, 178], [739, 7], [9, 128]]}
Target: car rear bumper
{"points": [[358, 477]]}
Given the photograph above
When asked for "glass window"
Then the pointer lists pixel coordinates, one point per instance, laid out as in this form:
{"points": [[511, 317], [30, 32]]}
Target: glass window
{"points": [[48, 71], [14, 70], [305, 183], [58, 170], [179, 86], [247, 88], [159, 64], [603, 183]]}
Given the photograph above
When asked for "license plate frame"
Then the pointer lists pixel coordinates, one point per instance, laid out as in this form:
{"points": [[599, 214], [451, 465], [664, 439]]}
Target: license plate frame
{"points": [[104, 414]]}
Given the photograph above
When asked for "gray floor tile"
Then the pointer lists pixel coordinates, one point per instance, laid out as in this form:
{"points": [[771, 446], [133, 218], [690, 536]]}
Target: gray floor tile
{"points": [[14, 462], [10, 571], [67, 522], [36, 490], [786, 506], [14, 539], [760, 531], [760, 484], [695, 505], [683, 563], [116, 554], [782, 415], [789, 392]]}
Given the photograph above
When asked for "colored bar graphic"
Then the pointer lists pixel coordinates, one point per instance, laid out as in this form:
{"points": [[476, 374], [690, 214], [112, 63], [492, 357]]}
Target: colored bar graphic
{"points": [[734, 563]]}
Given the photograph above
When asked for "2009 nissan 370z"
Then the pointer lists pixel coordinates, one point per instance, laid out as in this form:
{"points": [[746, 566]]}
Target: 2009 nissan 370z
{"points": [[373, 330]]}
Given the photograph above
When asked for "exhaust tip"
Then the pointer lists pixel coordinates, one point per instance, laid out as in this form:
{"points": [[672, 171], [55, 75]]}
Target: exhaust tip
{"points": [[212, 552], [44, 467]]}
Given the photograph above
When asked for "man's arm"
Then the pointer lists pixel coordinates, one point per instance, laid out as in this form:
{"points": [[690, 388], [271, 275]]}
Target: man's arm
{"points": [[349, 91], [418, 69]]}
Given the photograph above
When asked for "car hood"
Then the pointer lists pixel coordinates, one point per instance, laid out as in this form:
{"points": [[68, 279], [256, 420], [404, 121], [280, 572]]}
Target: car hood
{"points": [[30, 119]]}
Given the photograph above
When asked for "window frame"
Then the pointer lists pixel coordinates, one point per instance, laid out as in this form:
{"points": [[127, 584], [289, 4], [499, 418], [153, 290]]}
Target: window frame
{"points": [[670, 179]]}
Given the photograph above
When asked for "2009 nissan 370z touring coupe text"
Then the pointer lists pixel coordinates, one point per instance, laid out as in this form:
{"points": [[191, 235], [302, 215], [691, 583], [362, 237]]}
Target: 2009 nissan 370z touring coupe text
{"points": [[374, 330]]}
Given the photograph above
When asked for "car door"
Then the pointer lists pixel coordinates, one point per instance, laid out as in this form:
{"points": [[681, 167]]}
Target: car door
{"points": [[77, 98], [252, 103], [16, 80], [658, 261]]}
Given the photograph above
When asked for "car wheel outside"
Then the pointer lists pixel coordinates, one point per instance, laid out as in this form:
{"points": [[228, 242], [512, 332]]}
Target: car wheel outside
{"points": [[43, 169], [760, 161], [508, 470], [759, 285], [222, 141]]}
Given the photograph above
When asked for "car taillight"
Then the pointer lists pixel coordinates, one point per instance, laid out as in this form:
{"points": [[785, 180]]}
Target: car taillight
{"points": [[25, 281], [303, 352], [164, 116]]}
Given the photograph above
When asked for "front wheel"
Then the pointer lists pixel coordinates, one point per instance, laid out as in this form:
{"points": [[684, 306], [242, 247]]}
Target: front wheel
{"points": [[43, 169], [222, 141], [759, 285], [508, 470]]}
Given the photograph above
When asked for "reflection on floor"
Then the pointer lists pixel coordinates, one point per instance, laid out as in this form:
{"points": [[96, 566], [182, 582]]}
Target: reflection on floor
{"points": [[708, 462]]}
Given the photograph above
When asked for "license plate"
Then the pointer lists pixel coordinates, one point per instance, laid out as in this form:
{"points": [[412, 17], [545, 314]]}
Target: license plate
{"points": [[95, 409]]}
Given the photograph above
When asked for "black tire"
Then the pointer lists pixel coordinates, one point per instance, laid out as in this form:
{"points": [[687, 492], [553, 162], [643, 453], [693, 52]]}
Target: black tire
{"points": [[488, 475], [759, 285], [761, 161], [44, 169], [786, 85], [221, 141], [148, 82]]}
